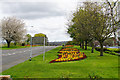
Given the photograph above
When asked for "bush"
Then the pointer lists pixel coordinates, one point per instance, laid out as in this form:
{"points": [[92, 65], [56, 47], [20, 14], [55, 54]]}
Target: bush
{"points": [[111, 52], [117, 51], [98, 49], [107, 51], [94, 77], [114, 49], [23, 44]]}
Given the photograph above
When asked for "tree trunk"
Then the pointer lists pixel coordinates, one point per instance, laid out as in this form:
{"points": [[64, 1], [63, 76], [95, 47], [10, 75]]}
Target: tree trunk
{"points": [[82, 44], [101, 50], [15, 43], [92, 51], [8, 43], [118, 43], [86, 45]]}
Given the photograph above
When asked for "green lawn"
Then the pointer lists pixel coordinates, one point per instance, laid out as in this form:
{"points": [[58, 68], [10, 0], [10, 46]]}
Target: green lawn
{"points": [[94, 65], [14, 47]]}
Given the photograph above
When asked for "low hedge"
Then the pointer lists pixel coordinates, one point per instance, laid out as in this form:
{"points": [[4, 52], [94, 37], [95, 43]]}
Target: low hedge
{"points": [[113, 52], [104, 49]]}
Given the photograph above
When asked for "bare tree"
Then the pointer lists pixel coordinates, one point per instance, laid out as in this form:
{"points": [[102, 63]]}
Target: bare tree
{"points": [[13, 29], [112, 12]]}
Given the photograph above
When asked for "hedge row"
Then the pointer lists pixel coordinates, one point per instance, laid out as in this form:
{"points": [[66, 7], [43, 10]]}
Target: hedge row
{"points": [[115, 52], [98, 49]]}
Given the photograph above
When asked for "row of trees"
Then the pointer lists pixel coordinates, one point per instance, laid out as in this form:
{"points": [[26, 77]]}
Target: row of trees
{"points": [[93, 21], [13, 29]]}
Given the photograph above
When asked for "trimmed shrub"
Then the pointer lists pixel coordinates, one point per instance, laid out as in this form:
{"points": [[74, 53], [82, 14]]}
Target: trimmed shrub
{"points": [[98, 49], [111, 52], [23, 44]]}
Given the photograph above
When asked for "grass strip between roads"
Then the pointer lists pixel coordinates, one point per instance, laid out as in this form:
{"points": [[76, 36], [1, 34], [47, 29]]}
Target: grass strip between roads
{"points": [[94, 65], [15, 47]]}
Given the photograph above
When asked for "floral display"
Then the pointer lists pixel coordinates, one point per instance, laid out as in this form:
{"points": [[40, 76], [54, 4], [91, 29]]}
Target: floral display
{"points": [[69, 46], [30, 45], [68, 50], [69, 54]]}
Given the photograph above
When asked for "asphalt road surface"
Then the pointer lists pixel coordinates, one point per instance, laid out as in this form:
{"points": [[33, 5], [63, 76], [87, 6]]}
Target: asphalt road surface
{"points": [[16, 56]]}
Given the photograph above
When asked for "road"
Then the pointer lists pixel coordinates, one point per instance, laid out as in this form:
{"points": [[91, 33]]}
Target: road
{"points": [[16, 56]]}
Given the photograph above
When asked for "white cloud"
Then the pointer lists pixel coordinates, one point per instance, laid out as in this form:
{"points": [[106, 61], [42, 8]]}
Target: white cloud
{"points": [[31, 10], [49, 18], [54, 27]]}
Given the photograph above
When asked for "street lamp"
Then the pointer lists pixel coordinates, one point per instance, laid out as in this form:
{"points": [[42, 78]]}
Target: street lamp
{"points": [[31, 48]]}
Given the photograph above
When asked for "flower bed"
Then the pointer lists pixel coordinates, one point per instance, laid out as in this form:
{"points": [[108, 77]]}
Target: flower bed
{"points": [[69, 46], [69, 54], [30, 45], [68, 50]]}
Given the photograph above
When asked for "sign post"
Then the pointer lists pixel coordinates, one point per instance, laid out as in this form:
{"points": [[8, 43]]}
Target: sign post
{"points": [[44, 50]]}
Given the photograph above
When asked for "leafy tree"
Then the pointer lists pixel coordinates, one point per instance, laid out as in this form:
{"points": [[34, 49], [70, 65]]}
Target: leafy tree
{"points": [[40, 35], [80, 28], [100, 27], [28, 36], [13, 29], [91, 22]]}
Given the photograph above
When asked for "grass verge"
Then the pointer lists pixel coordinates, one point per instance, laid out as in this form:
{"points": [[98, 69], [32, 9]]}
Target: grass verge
{"points": [[14, 47], [94, 65]]}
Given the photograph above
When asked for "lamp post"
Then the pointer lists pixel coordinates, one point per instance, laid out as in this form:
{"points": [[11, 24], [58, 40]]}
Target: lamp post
{"points": [[31, 47]]}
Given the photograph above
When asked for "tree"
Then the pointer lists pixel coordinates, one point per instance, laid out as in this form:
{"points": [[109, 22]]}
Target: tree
{"points": [[79, 30], [28, 36], [40, 35], [72, 30], [113, 13], [108, 42], [91, 22], [101, 28], [13, 29]]}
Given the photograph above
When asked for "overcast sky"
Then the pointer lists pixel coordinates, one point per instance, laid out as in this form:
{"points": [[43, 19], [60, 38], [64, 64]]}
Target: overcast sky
{"points": [[46, 16]]}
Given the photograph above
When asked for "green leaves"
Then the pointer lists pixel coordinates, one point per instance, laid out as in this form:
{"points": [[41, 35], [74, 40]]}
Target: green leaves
{"points": [[40, 35], [91, 22]]}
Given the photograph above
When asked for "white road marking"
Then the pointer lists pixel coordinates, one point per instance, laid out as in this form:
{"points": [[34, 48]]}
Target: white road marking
{"points": [[20, 52], [14, 53], [9, 54]]}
